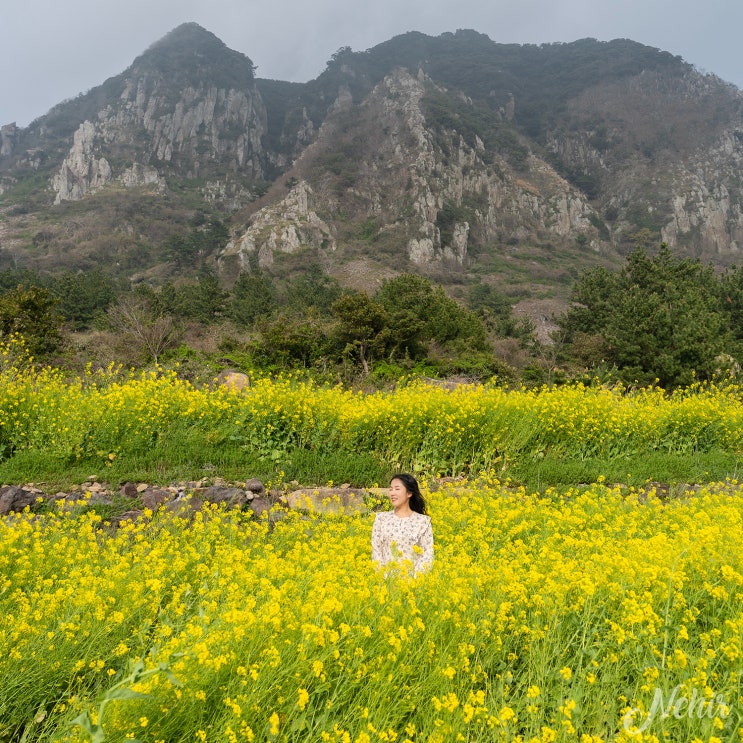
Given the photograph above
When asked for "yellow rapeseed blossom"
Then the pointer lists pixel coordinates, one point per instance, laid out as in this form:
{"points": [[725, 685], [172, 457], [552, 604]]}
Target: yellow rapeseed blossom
{"points": [[546, 616], [304, 697], [273, 722]]}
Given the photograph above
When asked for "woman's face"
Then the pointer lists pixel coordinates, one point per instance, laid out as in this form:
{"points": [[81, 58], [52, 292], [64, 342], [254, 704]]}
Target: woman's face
{"points": [[399, 495]]}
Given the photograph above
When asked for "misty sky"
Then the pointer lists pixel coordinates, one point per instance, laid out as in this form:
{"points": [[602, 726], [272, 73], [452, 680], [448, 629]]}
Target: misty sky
{"points": [[51, 50]]}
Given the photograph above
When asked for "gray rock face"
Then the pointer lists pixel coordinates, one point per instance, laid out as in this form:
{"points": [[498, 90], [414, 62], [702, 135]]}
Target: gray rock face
{"points": [[141, 175], [8, 136], [682, 177], [702, 204], [537, 196], [284, 227], [412, 186], [205, 130], [82, 171], [700, 196], [229, 123]]}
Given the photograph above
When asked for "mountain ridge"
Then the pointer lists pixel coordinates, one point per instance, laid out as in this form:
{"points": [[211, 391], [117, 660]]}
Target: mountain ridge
{"points": [[452, 155]]}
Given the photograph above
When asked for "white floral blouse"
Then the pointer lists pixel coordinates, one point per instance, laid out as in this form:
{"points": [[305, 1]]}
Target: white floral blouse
{"points": [[395, 539]]}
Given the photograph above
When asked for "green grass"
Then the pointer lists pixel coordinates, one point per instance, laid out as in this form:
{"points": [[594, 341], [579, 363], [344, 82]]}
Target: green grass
{"points": [[555, 471], [163, 465]]}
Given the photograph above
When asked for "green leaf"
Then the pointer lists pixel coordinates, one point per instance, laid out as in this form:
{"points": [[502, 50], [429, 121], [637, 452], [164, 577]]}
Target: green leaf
{"points": [[94, 731], [124, 693], [169, 674], [299, 724]]}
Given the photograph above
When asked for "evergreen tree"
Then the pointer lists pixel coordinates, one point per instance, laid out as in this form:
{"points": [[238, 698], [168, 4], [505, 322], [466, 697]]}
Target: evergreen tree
{"points": [[420, 312], [312, 288], [31, 312], [290, 340], [253, 297], [82, 297], [659, 318], [204, 301], [363, 326], [731, 304]]}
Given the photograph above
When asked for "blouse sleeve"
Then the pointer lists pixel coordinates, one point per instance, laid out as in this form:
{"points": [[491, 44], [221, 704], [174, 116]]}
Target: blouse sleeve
{"points": [[376, 540], [426, 544]]}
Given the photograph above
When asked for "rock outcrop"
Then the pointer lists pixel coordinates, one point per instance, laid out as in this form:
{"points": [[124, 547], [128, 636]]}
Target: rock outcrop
{"points": [[286, 226], [168, 119], [203, 128], [82, 171], [8, 136], [704, 210], [400, 174], [652, 164]]}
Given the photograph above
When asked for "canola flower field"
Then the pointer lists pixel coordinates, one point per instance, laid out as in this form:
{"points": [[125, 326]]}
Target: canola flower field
{"points": [[580, 615]]}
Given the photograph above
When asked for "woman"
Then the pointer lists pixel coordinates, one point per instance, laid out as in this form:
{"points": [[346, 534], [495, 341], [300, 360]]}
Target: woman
{"points": [[404, 533]]}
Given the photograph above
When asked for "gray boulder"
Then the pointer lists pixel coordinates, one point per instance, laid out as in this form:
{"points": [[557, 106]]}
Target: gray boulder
{"points": [[15, 499], [153, 498], [254, 485], [232, 497]]}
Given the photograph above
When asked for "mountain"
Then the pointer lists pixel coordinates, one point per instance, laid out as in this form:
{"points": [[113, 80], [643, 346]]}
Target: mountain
{"points": [[453, 156]]}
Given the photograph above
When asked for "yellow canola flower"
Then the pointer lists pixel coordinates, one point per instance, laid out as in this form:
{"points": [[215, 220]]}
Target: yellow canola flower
{"points": [[113, 415], [273, 722], [303, 698]]}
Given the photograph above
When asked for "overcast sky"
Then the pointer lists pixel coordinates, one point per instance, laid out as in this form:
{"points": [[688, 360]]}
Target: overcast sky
{"points": [[51, 50]]}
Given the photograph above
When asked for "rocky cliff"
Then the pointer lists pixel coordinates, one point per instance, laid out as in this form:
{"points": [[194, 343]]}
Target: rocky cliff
{"points": [[429, 191], [664, 154], [205, 127], [449, 154]]}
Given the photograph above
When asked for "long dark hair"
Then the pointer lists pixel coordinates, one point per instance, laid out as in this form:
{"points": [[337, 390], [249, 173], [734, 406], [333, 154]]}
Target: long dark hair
{"points": [[417, 501]]}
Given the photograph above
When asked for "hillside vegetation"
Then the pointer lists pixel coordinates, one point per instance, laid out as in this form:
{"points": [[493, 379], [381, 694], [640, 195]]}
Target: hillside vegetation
{"points": [[659, 320]]}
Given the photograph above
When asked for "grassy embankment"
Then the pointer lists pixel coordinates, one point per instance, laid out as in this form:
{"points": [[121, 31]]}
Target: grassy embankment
{"points": [[159, 428]]}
